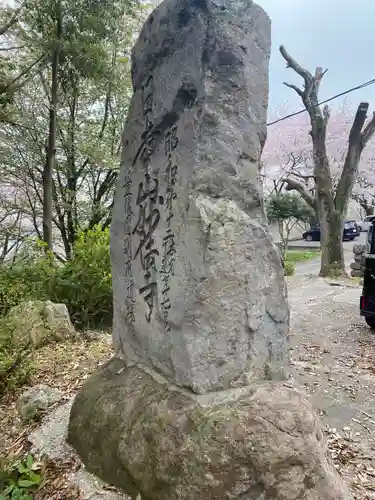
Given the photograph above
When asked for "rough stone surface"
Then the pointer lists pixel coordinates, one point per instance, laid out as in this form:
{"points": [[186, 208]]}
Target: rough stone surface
{"points": [[359, 249], [37, 399], [36, 322], [198, 285], [58, 320], [259, 442], [50, 440], [357, 267]]}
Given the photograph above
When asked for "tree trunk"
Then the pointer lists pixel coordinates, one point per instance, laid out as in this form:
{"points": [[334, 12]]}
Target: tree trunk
{"points": [[51, 149], [71, 210], [331, 231], [280, 224]]}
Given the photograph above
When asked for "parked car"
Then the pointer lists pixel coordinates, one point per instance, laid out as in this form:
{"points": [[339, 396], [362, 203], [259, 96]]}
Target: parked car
{"points": [[367, 300], [350, 232], [366, 223], [351, 225]]}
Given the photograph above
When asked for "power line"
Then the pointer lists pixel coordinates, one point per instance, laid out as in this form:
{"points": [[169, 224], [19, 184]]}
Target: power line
{"points": [[363, 85]]}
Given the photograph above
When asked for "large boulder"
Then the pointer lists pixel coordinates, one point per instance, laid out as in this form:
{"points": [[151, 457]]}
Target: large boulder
{"points": [[146, 436], [37, 322]]}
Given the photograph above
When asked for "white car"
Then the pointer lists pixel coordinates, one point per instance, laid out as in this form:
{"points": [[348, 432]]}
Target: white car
{"points": [[365, 224]]}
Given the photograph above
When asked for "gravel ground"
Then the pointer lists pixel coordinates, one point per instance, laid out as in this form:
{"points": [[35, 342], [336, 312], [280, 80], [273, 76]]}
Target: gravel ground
{"points": [[333, 357]]}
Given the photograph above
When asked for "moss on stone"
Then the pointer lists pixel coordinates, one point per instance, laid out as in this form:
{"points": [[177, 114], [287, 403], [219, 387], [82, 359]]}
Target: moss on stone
{"points": [[144, 436]]}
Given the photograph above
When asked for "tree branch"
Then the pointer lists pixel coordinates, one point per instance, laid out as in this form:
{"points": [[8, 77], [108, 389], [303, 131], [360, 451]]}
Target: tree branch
{"points": [[309, 94], [295, 88], [358, 122], [368, 131], [319, 73], [13, 20], [353, 154], [292, 185], [306, 177], [291, 63], [23, 73]]}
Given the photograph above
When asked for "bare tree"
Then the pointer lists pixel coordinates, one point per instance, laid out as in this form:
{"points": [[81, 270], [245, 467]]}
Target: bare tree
{"points": [[329, 203]]}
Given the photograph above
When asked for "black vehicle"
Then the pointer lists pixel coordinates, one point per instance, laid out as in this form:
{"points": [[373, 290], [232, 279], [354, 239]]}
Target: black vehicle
{"points": [[367, 301], [350, 232]]}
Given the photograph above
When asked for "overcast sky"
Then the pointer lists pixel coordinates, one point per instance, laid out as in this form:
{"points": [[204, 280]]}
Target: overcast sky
{"points": [[336, 34]]}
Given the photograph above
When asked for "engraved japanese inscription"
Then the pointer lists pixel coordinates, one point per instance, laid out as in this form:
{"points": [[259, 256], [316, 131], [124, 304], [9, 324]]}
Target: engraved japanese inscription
{"points": [[169, 246], [151, 205]]}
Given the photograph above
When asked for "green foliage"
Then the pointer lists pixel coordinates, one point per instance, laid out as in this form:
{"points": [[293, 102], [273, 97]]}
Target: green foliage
{"points": [[29, 278], [20, 479], [284, 206], [93, 40], [84, 283], [15, 364], [293, 256], [298, 255], [287, 209], [289, 268]]}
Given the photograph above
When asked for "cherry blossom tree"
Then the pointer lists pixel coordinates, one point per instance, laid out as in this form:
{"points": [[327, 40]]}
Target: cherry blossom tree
{"points": [[323, 163]]}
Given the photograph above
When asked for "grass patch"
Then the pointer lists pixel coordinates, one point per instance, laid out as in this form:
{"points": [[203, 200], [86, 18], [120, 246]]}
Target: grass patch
{"points": [[301, 255]]}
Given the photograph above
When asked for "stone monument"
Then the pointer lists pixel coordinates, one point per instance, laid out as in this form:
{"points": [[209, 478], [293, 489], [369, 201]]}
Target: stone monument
{"points": [[194, 405], [198, 286]]}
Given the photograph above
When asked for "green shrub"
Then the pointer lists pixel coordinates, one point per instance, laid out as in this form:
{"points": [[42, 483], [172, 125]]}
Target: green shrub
{"points": [[84, 283], [15, 362], [300, 255], [30, 277], [20, 479], [289, 268]]}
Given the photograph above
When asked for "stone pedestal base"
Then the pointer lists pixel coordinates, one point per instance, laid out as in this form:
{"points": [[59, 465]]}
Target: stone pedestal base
{"points": [[263, 442]]}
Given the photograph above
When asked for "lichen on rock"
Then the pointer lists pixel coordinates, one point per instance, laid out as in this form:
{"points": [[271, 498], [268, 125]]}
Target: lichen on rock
{"points": [[37, 322], [144, 435]]}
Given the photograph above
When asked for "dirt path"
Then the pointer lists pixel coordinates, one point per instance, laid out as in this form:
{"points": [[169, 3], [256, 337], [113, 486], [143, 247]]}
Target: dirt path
{"points": [[333, 357]]}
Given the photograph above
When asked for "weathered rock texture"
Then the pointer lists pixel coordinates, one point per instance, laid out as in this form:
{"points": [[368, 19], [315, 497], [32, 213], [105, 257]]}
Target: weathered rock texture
{"points": [[35, 400], [357, 268], [143, 435], [49, 441], [37, 322], [198, 284]]}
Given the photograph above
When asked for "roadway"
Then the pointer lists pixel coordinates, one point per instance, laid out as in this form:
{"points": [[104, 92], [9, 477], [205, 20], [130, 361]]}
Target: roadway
{"points": [[313, 266]]}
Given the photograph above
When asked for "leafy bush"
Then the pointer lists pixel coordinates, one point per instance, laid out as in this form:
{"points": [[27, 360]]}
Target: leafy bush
{"points": [[30, 277], [289, 268], [287, 210], [15, 368], [20, 479], [15, 361], [84, 284]]}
